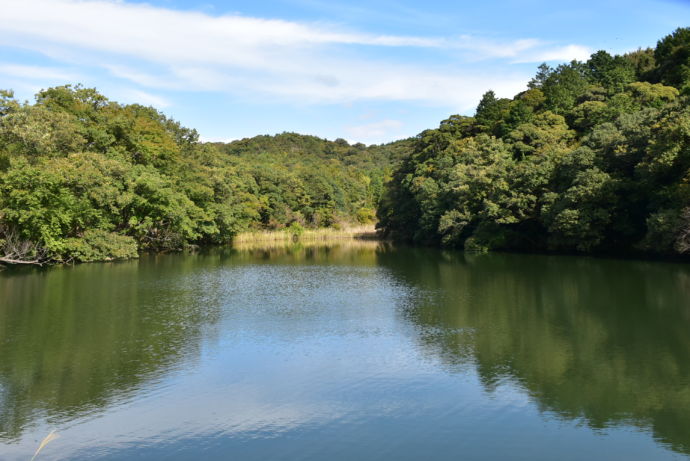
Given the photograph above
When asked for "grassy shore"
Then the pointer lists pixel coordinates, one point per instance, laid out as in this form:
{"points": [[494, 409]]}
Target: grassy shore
{"points": [[364, 232], [312, 247]]}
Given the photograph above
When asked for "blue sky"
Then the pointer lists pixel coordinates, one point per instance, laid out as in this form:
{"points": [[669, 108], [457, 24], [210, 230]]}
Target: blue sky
{"points": [[365, 71]]}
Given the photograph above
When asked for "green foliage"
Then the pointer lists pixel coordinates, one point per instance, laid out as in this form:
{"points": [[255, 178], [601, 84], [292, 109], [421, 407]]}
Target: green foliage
{"points": [[563, 86], [312, 181], [366, 215], [36, 131], [100, 245], [295, 229], [594, 156], [58, 198], [642, 61], [672, 55], [84, 179], [490, 111], [158, 215], [578, 217], [652, 95], [611, 72]]}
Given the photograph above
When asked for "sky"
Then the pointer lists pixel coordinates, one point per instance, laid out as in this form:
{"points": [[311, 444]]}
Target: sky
{"points": [[366, 71]]}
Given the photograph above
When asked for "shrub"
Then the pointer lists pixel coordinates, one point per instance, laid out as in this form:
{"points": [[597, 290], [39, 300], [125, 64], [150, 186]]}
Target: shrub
{"points": [[99, 245]]}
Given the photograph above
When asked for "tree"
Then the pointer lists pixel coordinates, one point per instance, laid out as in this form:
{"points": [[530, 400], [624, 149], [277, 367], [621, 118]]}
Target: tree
{"points": [[672, 55], [490, 111], [592, 157]]}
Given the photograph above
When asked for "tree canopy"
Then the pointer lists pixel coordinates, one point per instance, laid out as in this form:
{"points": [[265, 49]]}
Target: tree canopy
{"points": [[83, 178], [594, 156]]}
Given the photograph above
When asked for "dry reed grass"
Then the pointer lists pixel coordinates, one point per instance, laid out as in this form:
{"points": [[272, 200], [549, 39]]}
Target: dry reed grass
{"points": [[49, 438], [308, 235], [281, 246]]}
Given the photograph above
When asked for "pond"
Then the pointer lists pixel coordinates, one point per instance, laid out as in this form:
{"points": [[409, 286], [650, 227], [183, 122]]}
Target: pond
{"points": [[354, 351]]}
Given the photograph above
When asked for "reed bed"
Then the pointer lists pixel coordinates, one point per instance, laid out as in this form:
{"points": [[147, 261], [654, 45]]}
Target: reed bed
{"points": [[306, 235], [334, 246]]}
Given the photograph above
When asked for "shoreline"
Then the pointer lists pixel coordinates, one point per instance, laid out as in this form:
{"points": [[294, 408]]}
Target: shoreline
{"points": [[325, 234], [250, 239]]}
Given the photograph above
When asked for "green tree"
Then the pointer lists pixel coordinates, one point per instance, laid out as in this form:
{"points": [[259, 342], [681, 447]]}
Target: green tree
{"points": [[672, 55]]}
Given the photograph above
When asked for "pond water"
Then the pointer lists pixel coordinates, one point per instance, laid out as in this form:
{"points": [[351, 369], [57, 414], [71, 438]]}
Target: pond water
{"points": [[358, 351]]}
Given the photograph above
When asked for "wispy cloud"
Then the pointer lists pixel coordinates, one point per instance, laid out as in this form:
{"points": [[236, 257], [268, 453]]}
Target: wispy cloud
{"points": [[223, 139], [519, 51], [36, 72], [483, 48], [144, 97], [245, 56], [28, 80], [565, 53], [375, 130]]}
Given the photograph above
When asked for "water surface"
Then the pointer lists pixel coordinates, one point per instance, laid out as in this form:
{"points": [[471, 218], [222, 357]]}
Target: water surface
{"points": [[347, 352]]}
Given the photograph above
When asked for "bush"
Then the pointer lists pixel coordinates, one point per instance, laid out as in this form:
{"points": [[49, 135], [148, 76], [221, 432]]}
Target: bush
{"points": [[366, 215], [296, 230], [99, 245]]}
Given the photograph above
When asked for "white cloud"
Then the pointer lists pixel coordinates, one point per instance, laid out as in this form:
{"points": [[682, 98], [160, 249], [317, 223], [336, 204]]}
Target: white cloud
{"points": [[140, 78], [485, 49], [521, 51], [254, 57], [26, 80], [164, 36], [222, 139], [374, 131], [565, 53], [37, 73], [145, 98]]}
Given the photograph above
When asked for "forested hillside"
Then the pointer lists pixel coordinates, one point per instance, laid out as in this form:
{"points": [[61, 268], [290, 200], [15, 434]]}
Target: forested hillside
{"points": [[594, 156], [312, 181], [83, 178]]}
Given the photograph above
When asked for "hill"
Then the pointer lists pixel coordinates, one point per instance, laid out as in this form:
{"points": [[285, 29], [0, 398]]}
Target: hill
{"points": [[83, 178], [593, 157]]}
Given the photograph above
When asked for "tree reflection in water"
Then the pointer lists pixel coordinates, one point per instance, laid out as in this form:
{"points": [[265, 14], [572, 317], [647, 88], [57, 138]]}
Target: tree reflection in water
{"points": [[605, 341]]}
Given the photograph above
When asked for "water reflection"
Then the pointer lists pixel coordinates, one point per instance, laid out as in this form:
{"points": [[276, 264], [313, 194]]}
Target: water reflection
{"points": [[74, 339], [77, 341], [297, 351], [600, 340]]}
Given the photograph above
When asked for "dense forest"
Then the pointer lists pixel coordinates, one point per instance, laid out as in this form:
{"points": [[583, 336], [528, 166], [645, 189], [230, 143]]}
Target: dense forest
{"points": [[593, 157], [83, 178]]}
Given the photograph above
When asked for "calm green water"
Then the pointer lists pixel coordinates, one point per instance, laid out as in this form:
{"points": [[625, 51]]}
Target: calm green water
{"points": [[362, 352]]}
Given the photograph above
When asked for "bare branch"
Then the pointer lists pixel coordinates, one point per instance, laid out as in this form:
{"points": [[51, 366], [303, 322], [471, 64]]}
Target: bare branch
{"points": [[15, 250]]}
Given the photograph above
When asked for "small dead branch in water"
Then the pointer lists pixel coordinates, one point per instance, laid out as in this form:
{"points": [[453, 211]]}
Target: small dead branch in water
{"points": [[15, 250]]}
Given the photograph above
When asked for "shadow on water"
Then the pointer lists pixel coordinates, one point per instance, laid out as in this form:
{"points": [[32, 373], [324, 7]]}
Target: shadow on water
{"points": [[603, 341]]}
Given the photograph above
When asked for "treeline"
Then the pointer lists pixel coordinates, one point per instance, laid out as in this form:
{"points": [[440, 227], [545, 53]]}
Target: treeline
{"points": [[594, 156], [314, 182], [83, 178]]}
